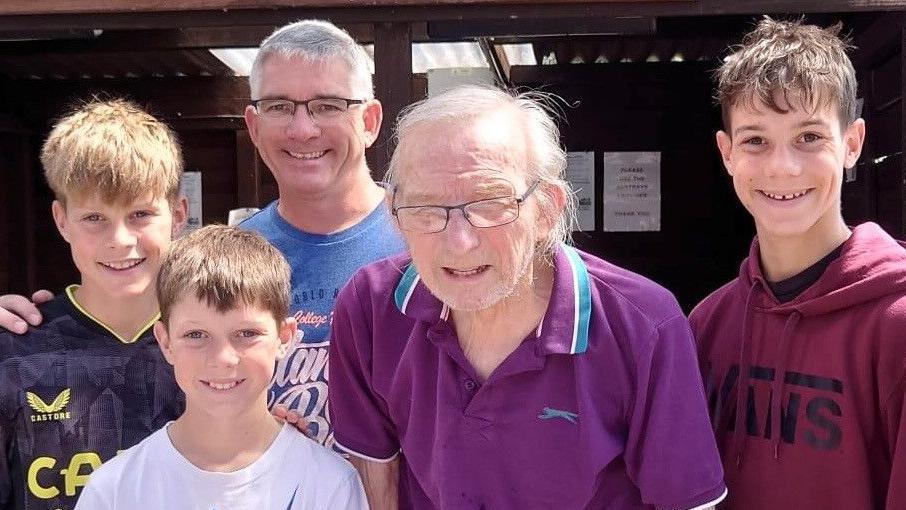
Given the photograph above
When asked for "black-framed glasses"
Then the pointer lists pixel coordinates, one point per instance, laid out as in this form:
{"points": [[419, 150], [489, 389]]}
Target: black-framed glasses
{"points": [[320, 109], [484, 213]]}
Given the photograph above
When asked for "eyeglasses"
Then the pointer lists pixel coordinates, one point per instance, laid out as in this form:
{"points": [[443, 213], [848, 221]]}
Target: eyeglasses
{"points": [[484, 213], [320, 109]]}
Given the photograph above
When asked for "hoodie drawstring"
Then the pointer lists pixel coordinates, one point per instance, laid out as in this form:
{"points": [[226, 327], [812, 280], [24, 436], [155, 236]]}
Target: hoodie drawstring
{"points": [[779, 381], [742, 380]]}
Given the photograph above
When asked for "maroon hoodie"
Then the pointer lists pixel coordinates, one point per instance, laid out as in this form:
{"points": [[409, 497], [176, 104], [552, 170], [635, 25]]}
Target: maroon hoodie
{"points": [[836, 437]]}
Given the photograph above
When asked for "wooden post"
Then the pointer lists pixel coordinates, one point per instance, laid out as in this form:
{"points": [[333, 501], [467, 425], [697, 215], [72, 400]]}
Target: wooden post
{"points": [[248, 171], [393, 86]]}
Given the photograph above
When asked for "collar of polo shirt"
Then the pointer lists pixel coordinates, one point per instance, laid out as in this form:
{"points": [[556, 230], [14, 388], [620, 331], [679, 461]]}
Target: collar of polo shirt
{"points": [[564, 328]]}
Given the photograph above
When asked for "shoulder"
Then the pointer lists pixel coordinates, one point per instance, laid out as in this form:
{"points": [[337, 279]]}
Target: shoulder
{"points": [[377, 280], [134, 462], [326, 463], [720, 299], [56, 327], [630, 294], [262, 221]]}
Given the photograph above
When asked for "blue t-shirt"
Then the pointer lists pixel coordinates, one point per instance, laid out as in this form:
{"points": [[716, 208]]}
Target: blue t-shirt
{"points": [[321, 265]]}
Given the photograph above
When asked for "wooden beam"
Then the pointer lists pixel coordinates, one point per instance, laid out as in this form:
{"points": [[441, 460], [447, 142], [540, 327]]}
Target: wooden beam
{"points": [[153, 14], [496, 57], [546, 26], [162, 39], [393, 85], [30, 7]]}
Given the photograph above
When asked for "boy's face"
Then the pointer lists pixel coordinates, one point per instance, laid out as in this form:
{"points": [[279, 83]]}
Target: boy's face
{"points": [[787, 168], [117, 248], [223, 361]]}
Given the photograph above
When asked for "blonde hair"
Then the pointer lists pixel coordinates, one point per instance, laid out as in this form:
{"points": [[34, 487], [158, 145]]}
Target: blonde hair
{"points": [[532, 110], [113, 149], [801, 63], [224, 267]]}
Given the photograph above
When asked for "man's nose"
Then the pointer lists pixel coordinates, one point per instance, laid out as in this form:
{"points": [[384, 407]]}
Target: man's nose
{"points": [[461, 235]]}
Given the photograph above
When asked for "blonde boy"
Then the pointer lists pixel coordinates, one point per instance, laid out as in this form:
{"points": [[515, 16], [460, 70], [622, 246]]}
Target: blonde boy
{"points": [[91, 380], [803, 354], [224, 298]]}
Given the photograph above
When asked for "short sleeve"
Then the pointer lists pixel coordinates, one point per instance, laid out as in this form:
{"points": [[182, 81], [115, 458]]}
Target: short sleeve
{"points": [[349, 494], [671, 454], [94, 496], [6, 481], [360, 419]]}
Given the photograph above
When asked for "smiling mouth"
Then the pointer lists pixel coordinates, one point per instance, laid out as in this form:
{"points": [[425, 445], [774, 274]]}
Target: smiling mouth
{"points": [[306, 155], [466, 272], [785, 196], [122, 265], [223, 386]]}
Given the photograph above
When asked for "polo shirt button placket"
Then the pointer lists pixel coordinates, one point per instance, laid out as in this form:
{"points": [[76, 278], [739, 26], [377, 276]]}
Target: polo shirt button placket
{"points": [[470, 385]]}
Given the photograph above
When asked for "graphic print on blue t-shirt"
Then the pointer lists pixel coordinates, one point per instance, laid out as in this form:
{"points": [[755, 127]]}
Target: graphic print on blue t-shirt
{"points": [[321, 265]]}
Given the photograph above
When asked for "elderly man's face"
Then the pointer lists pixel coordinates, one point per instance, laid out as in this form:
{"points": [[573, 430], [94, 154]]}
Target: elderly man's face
{"points": [[466, 267], [308, 158]]}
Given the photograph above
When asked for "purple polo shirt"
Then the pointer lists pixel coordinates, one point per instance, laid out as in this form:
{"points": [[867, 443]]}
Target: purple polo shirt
{"points": [[602, 407]]}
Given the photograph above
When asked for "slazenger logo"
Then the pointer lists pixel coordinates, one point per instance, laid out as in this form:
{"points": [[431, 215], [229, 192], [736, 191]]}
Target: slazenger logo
{"points": [[55, 411]]}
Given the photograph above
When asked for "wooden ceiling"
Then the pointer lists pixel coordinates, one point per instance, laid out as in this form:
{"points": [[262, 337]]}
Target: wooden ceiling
{"points": [[137, 38]]}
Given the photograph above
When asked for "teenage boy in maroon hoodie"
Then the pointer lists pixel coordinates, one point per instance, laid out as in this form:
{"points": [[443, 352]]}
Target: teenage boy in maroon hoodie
{"points": [[814, 328]]}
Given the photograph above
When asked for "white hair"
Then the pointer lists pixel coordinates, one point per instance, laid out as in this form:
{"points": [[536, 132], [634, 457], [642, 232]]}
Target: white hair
{"points": [[317, 41], [536, 111]]}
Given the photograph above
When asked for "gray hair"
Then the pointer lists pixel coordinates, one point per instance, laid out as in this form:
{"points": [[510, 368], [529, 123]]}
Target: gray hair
{"points": [[535, 111], [318, 41]]}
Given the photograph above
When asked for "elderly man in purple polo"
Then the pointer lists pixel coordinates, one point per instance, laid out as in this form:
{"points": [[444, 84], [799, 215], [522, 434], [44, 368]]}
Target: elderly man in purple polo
{"points": [[495, 367]]}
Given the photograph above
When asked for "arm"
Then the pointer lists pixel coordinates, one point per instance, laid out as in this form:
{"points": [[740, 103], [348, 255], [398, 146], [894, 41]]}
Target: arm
{"points": [[15, 310], [6, 485], [92, 499], [669, 403], [381, 481], [894, 417]]}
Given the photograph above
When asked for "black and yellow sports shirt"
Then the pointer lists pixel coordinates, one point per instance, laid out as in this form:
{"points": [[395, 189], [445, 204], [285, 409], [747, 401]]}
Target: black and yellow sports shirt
{"points": [[73, 394]]}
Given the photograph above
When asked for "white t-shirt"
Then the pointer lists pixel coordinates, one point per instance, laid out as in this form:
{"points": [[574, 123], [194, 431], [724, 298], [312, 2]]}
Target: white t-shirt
{"points": [[295, 473]]}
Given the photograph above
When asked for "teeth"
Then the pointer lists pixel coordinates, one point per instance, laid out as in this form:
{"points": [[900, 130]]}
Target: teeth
{"points": [[307, 155], [122, 264], [223, 386], [466, 272], [785, 197]]}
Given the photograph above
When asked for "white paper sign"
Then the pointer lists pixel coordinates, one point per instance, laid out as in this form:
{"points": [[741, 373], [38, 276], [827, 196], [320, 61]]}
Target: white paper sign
{"points": [[580, 174], [190, 187], [632, 191]]}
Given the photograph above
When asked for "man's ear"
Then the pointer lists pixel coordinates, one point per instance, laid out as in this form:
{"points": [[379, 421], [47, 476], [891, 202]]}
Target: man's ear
{"points": [[287, 336], [163, 340], [58, 210], [725, 146], [853, 138], [373, 116], [180, 213], [251, 122]]}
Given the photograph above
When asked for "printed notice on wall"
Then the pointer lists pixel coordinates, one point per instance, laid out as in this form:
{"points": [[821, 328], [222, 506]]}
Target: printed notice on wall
{"points": [[580, 174], [632, 191], [190, 187]]}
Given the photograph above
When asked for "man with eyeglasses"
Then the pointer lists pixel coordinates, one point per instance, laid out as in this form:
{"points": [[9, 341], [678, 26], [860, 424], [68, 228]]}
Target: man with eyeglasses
{"points": [[312, 116], [496, 367]]}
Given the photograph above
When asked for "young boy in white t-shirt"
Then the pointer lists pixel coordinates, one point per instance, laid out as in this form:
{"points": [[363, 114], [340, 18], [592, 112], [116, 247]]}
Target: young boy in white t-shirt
{"points": [[223, 296]]}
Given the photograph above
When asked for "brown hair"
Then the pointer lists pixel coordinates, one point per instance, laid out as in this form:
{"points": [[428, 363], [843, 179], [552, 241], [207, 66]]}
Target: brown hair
{"points": [[224, 267], [805, 64], [114, 149]]}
